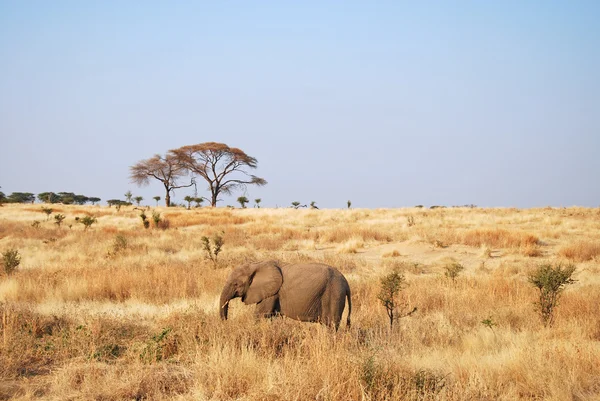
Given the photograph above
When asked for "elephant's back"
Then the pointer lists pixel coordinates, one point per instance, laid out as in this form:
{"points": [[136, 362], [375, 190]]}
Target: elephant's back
{"points": [[303, 287]]}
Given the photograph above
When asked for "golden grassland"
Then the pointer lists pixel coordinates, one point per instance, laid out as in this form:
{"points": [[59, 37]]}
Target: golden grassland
{"points": [[121, 312]]}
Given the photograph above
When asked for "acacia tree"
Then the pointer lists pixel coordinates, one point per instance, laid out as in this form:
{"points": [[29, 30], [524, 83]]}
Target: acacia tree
{"points": [[166, 169], [223, 168]]}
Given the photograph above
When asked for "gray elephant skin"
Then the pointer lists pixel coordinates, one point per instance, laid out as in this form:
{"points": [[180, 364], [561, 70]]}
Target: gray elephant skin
{"points": [[309, 292]]}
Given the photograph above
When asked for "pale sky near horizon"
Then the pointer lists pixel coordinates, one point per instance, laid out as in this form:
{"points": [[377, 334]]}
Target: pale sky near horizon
{"points": [[384, 103]]}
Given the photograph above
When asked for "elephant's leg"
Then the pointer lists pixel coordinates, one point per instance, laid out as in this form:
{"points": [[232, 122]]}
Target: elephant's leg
{"points": [[334, 301], [268, 307]]}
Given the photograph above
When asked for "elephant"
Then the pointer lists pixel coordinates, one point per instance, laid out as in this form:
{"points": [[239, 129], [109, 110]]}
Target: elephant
{"points": [[309, 292]]}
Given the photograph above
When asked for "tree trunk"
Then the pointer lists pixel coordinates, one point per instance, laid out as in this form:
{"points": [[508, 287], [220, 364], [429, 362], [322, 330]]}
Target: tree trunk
{"points": [[167, 199]]}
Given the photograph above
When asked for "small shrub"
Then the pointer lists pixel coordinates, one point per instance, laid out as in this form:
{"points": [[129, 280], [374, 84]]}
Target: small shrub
{"points": [[59, 219], [452, 270], [551, 282], [156, 218], [213, 251], [35, 224], [144, 218], [389, 295], [48, 211], [410, 220], [120, 243], [10, 261], [489, 323], [242, 200], [87, 221]]}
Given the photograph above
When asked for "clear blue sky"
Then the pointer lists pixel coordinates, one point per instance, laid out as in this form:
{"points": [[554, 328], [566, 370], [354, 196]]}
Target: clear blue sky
{"points": [[386, 104]]}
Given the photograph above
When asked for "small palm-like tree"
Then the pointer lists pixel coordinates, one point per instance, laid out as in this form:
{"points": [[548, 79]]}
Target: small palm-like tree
{"points": [[138, 199], [156, 198], [128, 196], [198, 201], [189, 200], [242, 200], [257, 202]]}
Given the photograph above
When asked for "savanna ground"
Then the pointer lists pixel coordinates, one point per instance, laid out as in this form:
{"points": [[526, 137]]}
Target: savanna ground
{"points": [[120, 312]]}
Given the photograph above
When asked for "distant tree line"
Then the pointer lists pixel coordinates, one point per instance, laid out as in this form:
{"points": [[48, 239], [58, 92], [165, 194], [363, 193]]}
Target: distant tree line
{"points": [[66, 198]]}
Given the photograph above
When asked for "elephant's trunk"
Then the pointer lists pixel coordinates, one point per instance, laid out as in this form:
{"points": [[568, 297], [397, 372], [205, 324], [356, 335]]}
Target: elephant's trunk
{"points": [[226, 295]]}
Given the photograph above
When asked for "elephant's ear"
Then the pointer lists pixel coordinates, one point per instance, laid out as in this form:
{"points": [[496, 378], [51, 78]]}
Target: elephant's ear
{"points": [[266, 282]]}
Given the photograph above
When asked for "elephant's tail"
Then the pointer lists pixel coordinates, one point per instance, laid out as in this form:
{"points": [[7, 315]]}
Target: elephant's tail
{"points": [[349, 307]]}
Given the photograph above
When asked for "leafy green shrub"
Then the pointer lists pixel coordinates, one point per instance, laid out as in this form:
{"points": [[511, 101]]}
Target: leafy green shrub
{"points": [[10, 261], [87, 221], [551, 282]]}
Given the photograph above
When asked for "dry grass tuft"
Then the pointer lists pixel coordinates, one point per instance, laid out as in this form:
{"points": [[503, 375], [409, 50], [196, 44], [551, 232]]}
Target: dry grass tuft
{"points": [[499, 238], [581, 251]]}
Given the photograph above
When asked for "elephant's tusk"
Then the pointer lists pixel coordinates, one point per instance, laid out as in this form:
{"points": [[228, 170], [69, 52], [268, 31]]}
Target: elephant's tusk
{"points": [[225, 304]]}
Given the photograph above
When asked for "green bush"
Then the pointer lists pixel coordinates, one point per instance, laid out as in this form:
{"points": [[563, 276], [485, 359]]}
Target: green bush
{"points": [[551, 282], [10, 261], [87, 221]]}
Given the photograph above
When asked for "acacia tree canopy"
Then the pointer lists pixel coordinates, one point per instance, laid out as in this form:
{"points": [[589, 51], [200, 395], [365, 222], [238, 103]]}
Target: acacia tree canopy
{"points": [[225, 169], [165, 169]]}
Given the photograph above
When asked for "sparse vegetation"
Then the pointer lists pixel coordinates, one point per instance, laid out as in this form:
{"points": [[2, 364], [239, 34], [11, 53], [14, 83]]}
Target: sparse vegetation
{"points": [[81, 321], [11, 259], [551, 282], [389, 296], [144, 218], [47, 211], [87, 221], [257, 202], [138, 200], [242, 200], [157, 199], [213, 247], [59, 218], [452, 270]]}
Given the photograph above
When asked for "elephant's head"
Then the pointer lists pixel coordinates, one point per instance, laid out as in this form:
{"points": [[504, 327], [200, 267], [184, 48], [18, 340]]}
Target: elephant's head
{"points": [[253, 283]]}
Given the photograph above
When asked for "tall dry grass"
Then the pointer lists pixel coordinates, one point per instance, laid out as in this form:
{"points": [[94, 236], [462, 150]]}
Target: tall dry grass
{"points": [[90, 315]]}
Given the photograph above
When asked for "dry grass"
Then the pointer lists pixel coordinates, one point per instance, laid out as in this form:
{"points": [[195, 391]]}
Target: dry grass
{"points": [[581, 251], [92, 316]]}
